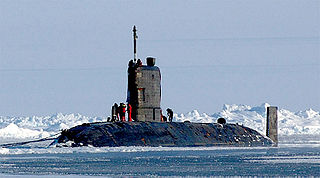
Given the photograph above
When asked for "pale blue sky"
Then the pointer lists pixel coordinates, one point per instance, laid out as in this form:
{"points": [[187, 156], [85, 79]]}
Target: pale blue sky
{"points": [[71, 56]]}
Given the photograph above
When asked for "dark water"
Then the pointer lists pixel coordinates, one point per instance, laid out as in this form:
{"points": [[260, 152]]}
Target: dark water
{"points": [[285, 161]]}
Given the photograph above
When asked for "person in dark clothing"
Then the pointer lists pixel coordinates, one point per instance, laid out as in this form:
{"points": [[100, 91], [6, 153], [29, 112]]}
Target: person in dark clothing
{"points": [[131, 64], [170, 114], [139, 63], [164, 118], [114, 112]]}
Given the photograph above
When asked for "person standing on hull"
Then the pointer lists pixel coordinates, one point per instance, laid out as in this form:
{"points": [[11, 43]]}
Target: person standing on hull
{"points": [[139, 63], [114, 112], [122, 112], [129, 109], [170, 114]]}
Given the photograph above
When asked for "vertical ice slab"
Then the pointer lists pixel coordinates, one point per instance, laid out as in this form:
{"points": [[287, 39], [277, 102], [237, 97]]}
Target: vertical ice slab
{"points": [[272, 124]]}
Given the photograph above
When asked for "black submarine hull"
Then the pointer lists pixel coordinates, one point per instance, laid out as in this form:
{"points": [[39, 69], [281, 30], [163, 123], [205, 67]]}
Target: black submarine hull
{"points": [[154, 134]]}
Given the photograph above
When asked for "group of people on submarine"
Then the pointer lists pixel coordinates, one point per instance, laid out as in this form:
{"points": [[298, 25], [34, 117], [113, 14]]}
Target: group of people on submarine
{"points": [[118, 113]]}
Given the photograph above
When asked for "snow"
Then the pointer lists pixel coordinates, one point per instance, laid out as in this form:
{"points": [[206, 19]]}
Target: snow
{"points": [[13, 131], [12, 128], [290, 123]]}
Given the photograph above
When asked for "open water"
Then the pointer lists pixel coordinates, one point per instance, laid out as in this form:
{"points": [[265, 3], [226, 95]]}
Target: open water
{"points": [[286, 160]]}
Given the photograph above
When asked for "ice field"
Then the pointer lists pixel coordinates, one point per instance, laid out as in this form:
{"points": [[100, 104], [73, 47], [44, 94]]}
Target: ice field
{"points": [[293, 160], [298, 153], [290, 123]]}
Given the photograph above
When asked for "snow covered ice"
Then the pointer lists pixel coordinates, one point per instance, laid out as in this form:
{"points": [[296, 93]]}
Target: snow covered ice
{"points": [[302, 122], [298, 153], [146, 162], [35, 127], [290, 123]]}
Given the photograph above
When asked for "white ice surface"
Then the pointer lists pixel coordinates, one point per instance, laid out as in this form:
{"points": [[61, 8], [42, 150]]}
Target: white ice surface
{"points": [[13, 129], [290, 123], [35, 127]]}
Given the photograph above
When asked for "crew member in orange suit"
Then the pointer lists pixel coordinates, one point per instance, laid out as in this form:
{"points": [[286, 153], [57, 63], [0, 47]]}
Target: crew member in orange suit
{"points": [[122, 112], [129, 109]]}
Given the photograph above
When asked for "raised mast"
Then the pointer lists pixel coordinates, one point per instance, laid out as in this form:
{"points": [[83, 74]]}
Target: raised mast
{"points": [[135, 43]]}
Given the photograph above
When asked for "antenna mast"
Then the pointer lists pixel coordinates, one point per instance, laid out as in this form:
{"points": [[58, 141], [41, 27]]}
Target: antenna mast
{"points": [[135, 43]]}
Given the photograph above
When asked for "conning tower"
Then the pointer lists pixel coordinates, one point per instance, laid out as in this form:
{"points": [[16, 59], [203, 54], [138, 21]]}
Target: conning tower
{"points": [[144, 88]]}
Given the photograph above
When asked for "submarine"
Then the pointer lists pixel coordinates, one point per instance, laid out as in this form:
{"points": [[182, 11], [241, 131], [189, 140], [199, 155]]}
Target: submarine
{"points": [[147, 126]]}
